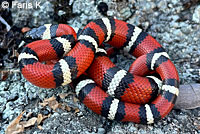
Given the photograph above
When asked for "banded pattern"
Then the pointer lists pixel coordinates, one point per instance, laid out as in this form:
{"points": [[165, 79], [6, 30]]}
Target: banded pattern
{"points": [[109, 77], [49, 76], [111, 87]]}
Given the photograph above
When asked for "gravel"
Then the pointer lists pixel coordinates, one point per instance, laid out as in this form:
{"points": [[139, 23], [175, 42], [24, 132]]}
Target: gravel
{"points": [[177, 28], [33, 16]]}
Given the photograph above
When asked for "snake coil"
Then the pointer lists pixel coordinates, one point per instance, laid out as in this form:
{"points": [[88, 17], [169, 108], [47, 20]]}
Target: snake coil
{"points": [[112, 92]]}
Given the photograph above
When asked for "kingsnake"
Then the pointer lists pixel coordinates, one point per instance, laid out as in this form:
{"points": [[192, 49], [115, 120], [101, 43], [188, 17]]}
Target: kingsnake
{"points": [[132, 86]]}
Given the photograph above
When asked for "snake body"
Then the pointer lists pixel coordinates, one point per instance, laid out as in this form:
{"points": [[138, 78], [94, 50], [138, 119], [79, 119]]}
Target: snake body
{"points": [[112, 92]]}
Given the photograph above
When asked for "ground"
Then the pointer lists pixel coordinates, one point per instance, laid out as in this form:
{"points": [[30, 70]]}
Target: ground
{"points": [[175, 24]]}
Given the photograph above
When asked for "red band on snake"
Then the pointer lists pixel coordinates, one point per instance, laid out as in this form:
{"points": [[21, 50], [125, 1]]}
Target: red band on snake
{"points": [[120, 84]]}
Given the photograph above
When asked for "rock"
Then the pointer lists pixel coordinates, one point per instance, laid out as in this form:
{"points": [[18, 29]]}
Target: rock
{"points": [[125, 12], [189, 97], [186, 29], [9, 113], [148, 6], [31, 90], [3, 102], [158, 131], [177, 32], [196, 15], [174, 2], [162, 5], [4, 85], [101, 131]]}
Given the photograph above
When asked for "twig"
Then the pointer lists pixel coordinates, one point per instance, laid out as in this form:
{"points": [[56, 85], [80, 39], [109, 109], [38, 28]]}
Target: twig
{"points": [[5, 23]]}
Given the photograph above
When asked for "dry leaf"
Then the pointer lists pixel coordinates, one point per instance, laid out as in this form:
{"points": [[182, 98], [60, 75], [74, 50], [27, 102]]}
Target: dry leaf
{"points": [[68, 108], [40, 127], [75, 99], [48, 115], [4, 75], [50, 99], [62, 106], [29, 114], [76, 110], [51, 102], [43, 104], [14, 127], [54, 105], [40, 118], [63, 95], [29, 123]]}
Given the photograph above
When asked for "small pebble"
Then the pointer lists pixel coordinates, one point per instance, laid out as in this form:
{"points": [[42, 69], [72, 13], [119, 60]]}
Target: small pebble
{"points": [[101, 131]]}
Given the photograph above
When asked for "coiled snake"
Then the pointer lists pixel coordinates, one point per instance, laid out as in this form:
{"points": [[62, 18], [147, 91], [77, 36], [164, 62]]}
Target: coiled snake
{"points": [[112, 92]]}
